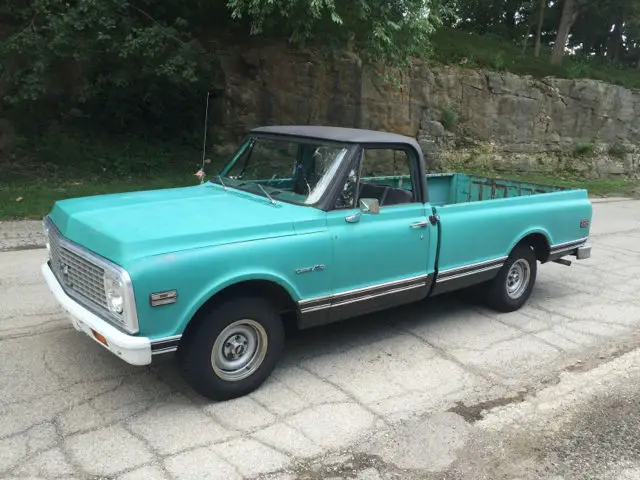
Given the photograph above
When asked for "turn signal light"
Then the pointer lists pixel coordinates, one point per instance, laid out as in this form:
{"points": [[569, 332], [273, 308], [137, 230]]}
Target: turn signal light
{"points": [[100, 337], [584, 223]]}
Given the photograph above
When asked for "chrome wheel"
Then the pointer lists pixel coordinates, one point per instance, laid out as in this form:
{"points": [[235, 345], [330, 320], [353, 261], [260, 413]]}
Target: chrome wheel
{"points": [[239, 350], [518, 278]]}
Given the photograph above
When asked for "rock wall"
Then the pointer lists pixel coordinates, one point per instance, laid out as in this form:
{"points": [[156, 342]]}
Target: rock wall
{"points": [[496, 120]]}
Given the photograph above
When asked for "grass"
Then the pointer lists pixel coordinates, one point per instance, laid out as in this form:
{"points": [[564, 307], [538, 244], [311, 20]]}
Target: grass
{"points": [[32, 200], [61, 165], [457, 47]]}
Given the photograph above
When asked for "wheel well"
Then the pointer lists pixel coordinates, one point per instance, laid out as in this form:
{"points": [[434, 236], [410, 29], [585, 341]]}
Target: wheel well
{"points": [[540, 245], [265, 289]]}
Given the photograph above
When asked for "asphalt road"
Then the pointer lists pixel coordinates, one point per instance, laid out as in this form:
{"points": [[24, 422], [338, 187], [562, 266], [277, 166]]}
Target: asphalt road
{"points": [[444, 389]]}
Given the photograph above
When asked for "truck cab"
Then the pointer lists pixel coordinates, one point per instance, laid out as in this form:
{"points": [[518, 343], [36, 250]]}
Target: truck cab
{"points": [[313, 224]]}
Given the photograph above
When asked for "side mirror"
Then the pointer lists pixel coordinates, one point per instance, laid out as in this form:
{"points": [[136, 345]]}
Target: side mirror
{"points": [[370, 206]]}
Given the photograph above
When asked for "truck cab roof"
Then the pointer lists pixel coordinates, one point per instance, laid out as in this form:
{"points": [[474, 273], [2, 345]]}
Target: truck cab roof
{"points": [[339, 134]]}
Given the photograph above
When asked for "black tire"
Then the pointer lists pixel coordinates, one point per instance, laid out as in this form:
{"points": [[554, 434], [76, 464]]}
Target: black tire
{"points": [[195, 353], [498, 294]]}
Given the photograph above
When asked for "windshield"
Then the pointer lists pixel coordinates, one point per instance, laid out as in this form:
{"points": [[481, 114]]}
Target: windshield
{"points": [[283, 169]]}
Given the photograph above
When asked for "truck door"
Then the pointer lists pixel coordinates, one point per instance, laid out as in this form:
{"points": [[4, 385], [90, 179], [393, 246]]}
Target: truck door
{"points": [[381, 258]]}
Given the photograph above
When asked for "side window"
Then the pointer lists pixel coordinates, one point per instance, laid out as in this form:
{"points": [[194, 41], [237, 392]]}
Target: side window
{"points": [[389, 166], [383, 174]]}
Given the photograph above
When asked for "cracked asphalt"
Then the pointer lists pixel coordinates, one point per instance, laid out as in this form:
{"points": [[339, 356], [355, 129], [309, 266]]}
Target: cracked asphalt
{"points": [[444, 389]]}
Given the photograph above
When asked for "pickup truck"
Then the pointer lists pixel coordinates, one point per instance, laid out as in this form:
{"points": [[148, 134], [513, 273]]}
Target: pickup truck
{"points": [[309, 224]]}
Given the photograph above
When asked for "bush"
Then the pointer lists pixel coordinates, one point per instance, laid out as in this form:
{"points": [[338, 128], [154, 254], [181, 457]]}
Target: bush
{"points": [[449, 118], [459, 47], [585, 149]]}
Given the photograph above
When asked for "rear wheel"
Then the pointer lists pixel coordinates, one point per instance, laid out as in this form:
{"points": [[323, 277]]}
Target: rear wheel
{"points": [[233, 350], [513, 285]]}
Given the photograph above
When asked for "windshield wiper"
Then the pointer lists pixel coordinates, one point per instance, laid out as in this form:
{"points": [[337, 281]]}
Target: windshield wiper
{"points": [[221, 182]]}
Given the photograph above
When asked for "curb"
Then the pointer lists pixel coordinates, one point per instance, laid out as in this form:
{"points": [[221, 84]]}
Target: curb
{"points": [[21, 235]]}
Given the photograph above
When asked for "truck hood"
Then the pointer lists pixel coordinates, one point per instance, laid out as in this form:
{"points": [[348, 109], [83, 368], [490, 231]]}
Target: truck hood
{"points": [[123, 227]]}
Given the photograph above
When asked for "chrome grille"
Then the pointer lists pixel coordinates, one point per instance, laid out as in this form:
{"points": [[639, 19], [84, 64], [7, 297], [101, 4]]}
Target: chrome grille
{"points": [[77, 275], [81, 274]]}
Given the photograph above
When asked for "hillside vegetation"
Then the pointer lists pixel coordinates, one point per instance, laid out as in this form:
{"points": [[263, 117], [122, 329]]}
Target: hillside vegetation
{"points": [[111, 92]]}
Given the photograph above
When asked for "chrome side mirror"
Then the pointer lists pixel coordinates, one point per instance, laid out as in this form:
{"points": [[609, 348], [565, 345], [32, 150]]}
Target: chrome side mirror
{"points": [[370, 206]]}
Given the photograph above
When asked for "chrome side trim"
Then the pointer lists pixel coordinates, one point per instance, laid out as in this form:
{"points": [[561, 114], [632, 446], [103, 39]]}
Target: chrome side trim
{"points": [[315, 308], [164, 350], [361, 294], [376, 295], [472, 269], [561, 247], [356, 291], [165, 345], [497, 266], [471, 266], [563, 250]]}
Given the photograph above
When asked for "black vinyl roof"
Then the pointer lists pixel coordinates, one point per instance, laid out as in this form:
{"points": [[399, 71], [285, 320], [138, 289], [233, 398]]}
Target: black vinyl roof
{"points": [[339, 134]]}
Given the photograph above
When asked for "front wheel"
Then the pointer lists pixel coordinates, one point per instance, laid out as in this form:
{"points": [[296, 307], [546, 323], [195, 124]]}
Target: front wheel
{"points": [[233, 350], [513, 285]]}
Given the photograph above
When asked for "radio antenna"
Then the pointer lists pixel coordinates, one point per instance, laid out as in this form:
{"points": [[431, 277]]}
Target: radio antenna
{"points": [[200, 173]]}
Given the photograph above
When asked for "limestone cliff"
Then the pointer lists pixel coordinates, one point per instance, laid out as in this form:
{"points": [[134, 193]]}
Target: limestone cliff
{"points": [[492, 119]]}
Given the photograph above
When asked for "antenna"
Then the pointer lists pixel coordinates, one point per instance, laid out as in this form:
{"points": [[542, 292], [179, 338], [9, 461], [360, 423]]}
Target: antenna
{"points": [[206, 125], [200, 173]]}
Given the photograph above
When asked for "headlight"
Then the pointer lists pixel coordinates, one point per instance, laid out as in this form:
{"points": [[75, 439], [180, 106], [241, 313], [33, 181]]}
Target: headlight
{"points": [[114, 289]]}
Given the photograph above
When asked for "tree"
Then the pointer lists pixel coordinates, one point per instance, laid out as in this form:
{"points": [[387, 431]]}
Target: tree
{"points": [[124, 61], [568, 18], [391, 31], [543, 5]]}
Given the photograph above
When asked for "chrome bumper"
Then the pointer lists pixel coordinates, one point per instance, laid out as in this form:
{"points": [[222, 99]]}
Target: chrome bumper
{"points": [[132, 349]]}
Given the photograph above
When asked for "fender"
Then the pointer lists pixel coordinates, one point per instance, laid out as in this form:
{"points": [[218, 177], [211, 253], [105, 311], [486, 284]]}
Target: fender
{"points": [[531, 231], [214, 288]]}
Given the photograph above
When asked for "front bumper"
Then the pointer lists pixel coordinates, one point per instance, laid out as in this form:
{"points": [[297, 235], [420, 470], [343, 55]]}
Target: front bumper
{"points": [[133, 350]]}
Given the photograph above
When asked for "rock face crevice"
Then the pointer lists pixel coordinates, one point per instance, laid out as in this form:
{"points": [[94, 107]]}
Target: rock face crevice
{"points": [[522, 122]]}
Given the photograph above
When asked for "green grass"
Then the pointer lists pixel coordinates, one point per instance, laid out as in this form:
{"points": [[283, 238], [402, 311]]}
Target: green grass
{"points": [[32, 200], [70, 164], [457, 47]]}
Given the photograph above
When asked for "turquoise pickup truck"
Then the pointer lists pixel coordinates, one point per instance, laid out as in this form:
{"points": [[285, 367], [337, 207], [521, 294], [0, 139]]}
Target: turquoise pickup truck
{"points": [[305, 224]]}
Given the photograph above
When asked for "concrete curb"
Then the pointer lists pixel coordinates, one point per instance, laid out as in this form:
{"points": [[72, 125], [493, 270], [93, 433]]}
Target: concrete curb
{"points": [[21, 235]]}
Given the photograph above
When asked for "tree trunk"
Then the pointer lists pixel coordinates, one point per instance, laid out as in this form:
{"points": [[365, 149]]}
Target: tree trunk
{"points": [[525, 42], [510, 19], [615, 41], [569, 15], [543, 5]]}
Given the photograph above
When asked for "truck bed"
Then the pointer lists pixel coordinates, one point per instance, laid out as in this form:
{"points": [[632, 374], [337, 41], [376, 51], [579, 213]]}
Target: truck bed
{"points": [[452, 188]]}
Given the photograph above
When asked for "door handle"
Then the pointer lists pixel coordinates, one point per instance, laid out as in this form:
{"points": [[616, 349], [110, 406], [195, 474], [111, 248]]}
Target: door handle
{"points": [[423, 224]]}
